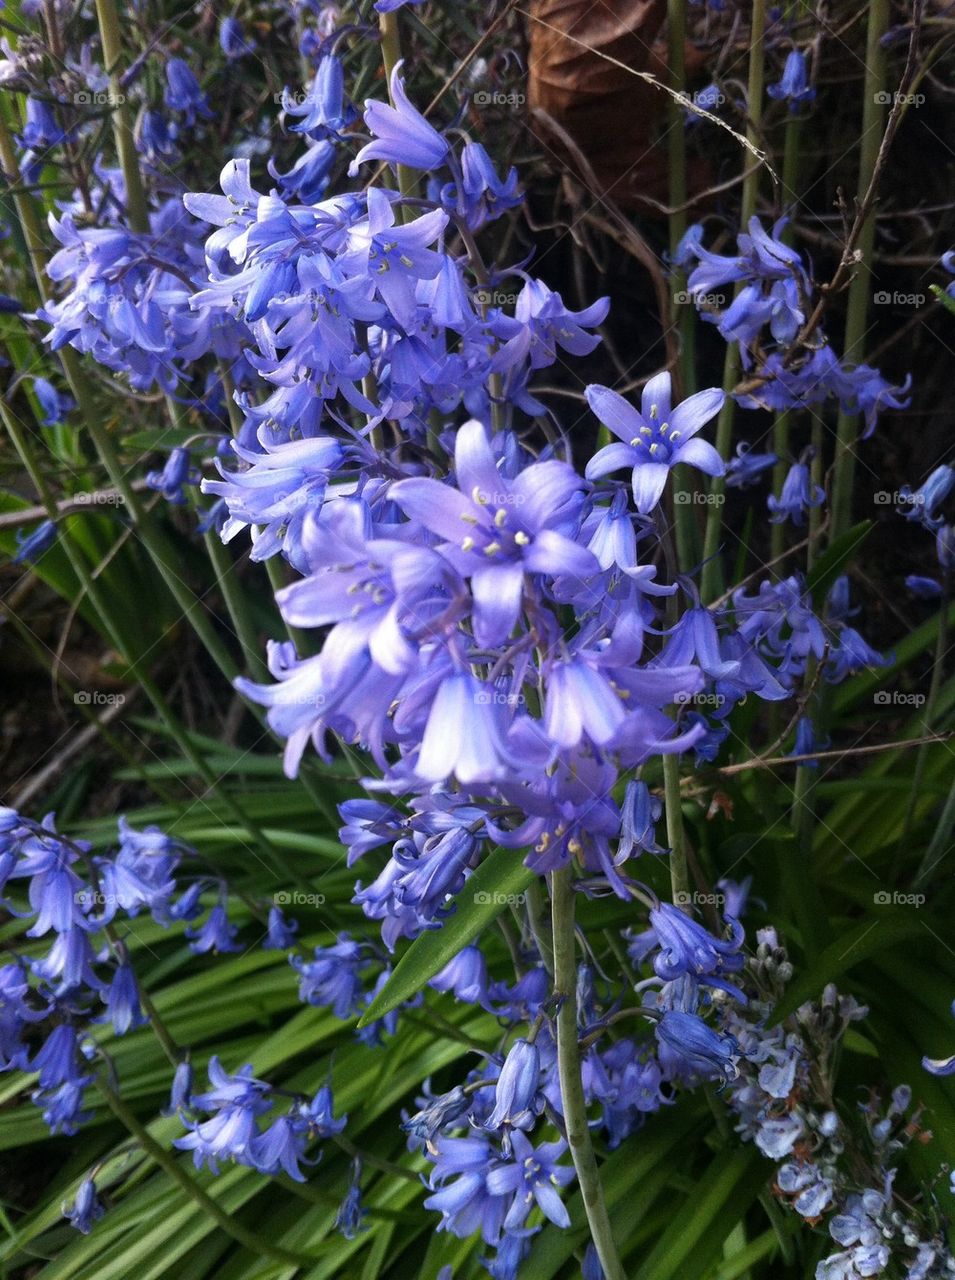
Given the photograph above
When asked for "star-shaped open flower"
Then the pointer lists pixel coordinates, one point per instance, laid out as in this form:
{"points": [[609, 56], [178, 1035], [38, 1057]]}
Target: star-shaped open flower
{"points": [[655, 438]]}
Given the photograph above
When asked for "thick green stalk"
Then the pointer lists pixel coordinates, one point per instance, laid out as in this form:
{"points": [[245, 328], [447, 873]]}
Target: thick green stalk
{"points": [[873, 114], [682, 313], [571, 1084], [676, 836], [109, 30], [712, 580]]}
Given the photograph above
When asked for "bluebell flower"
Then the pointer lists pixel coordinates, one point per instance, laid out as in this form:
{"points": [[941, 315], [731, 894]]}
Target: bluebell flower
{"points": [[496, 530], [923, 588], [389, 6], [401, 135], [232, 40], [30, 548], [55, 404], [688, 1047], [323, 113], [156, 136], [798, 495], [461, 1194], [122, 1001], [747, 466], [350, 1217], [465, 976], [655, 439], [85, 1209], [333, 977], [531, 1175], [182, 92], [435, 1114], [318, 1114], [794, 87], [236, 1102], [216, 934], [177, 473], [517, 1097], [639, 814], [280, 1148], [482, 196], [923, 504], [58, 1059], [281, 932]]}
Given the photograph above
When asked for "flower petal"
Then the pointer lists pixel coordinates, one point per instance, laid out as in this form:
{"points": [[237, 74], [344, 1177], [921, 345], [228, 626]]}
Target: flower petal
{"points": [[649, 481], [614, 412]]}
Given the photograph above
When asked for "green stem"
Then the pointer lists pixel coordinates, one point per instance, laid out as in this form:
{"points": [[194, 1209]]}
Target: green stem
{"points": [[676, 834], [684, 513], [109, 30], [712, 579], [571, 1084], [935, 685], [256, 1242], [873, 113]]}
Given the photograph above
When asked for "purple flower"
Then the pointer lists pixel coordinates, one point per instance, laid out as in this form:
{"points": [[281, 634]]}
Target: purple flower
{"points": [[517, 1097], [332, 977], [30, 548], [401, 135], [85, 1209], [798, 496], [183, 92], [531, 1175], [54, 404], [656, 438], [689, 1047], [496, 529], [794, 87]]}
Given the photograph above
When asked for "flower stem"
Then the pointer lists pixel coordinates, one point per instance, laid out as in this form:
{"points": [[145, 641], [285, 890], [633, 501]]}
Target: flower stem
{"points": [[684, 514], [873, 112], [712, 570], [136, 210], [571, 1083]]}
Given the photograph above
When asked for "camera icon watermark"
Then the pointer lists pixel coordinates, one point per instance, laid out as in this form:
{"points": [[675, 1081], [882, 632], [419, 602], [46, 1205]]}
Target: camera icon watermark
{"points": [[891, 698], [884, 98], [683, 898], [498, 698], [495, 298], [495, 98], [711, 700], [96, 698], [98, 98], [484, 898], [886, 299], [685, 298], [695, 498], [892, 498], [297, 898], [883, 898]]}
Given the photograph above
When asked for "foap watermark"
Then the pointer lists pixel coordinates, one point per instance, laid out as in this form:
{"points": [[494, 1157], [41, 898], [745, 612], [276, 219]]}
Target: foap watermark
{"points": [[684, 298], [892, 498], [883, 898], [497, 98], [98, 98], [297, 898], [498, 698], [695, 498], [495, 298], [884, 98], [484, 899], [893, 698], [712, 700], [683, 898], [103, 498], [886, 299], [96, 698]]}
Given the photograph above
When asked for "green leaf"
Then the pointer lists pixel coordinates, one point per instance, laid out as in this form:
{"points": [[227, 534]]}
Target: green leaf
{"points": [[497, 881], [829, 565]]}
